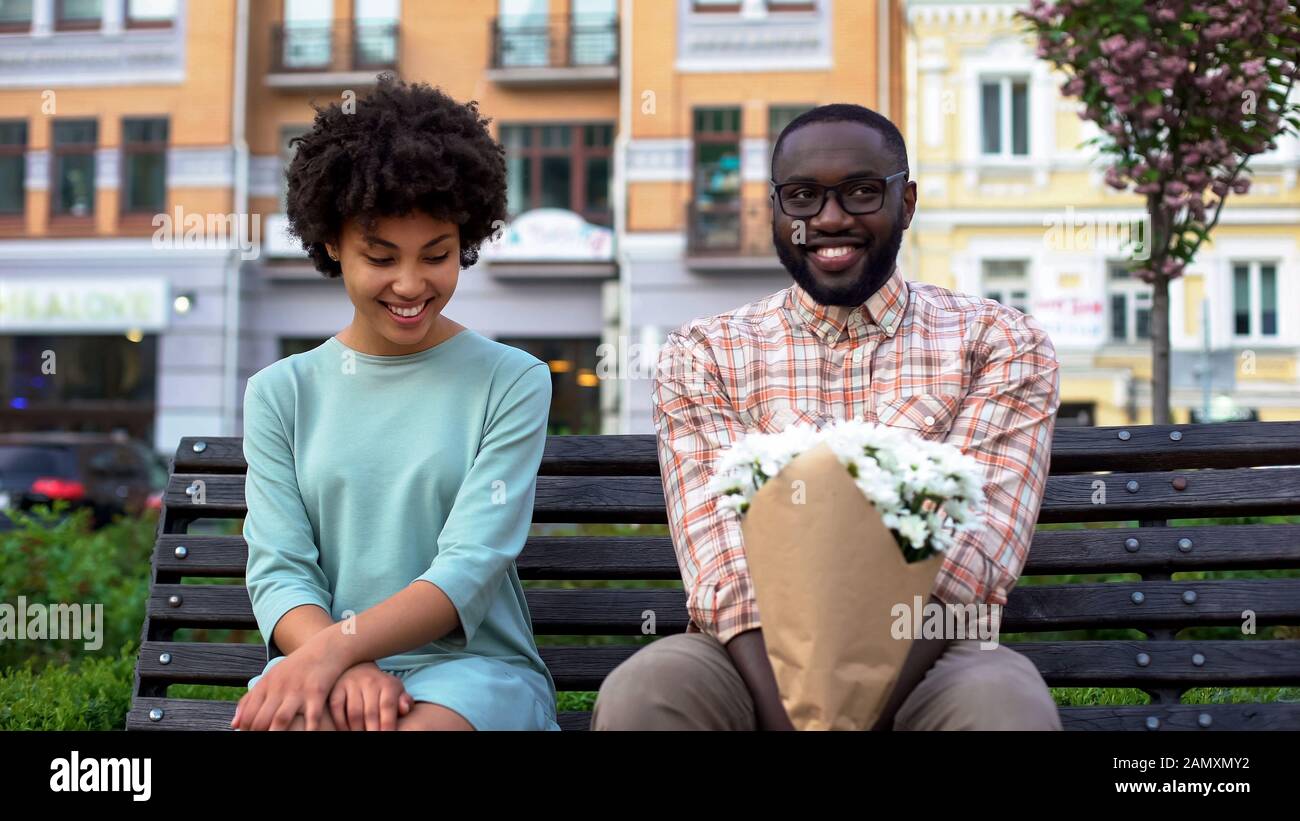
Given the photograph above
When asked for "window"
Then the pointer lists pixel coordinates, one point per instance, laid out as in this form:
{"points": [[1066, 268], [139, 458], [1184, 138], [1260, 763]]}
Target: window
{"points": [[144, 166], [78, 14], [73, 168], [1004, 117], [376, 32], [1254, 299], [778, 117], [1007, 281], [717, 154], [715, 217], [92, 368], [1130, 305], [15, 15], [559, 166], [524, 37], [594, 37], [575, 394], [13, 167], [307, 31], [150, 13]]}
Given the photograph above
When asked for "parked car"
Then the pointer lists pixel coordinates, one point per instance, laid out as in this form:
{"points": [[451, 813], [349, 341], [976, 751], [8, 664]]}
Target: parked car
{"points": [[108, 473]]}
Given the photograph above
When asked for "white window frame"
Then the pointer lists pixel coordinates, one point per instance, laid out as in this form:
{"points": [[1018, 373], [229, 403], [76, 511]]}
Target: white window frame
{"points": [[1011, 57], [1138, 294], [1005, 125], [1255, 297], [1025, 283]]}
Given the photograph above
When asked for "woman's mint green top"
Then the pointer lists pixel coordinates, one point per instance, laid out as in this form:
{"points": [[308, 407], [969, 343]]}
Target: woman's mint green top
{"points": [[366, 473]]}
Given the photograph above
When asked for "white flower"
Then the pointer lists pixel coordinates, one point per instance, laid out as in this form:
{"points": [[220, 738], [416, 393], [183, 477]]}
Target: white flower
{"points": [[926, 491]]}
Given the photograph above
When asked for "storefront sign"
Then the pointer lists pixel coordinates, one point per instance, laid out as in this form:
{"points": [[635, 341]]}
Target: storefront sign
{"points": [[1070, 321], [551, 235], [83, 305]]}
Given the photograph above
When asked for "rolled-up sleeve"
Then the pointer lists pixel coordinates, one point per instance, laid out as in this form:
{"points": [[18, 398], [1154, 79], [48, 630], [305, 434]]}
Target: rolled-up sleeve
{"points": [[489, 520], [283, 569], [1006, 423]]}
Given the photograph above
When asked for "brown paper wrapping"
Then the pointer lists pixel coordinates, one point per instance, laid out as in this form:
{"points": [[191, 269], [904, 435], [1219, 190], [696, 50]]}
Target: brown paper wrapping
{"points": [[826, 573]]}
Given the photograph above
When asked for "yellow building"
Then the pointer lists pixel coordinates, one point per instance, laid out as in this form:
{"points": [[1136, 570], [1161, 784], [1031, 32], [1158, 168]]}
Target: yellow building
{"points": [[1010, 207]]}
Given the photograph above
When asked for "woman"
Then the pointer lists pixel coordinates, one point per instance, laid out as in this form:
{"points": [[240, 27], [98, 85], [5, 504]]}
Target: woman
{"points": [[391, 470]]}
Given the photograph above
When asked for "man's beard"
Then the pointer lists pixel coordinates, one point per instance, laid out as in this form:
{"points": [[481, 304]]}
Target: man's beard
{"points": [[876, 268]]}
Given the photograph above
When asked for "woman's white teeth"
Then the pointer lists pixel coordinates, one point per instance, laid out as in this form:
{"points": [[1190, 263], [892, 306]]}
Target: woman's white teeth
{"points": [[832, 253], [407, 312]]}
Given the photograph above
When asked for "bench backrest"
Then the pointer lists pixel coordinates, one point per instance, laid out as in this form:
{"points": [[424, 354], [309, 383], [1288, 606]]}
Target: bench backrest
{"points": [[1148, 474]]}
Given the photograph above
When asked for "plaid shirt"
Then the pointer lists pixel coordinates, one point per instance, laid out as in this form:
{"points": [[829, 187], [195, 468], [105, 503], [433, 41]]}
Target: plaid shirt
{"points": [[946, 365]]}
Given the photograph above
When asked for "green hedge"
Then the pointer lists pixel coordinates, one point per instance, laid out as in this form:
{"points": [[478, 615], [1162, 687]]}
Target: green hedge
{"points": [[88, 694], [55, 557]]}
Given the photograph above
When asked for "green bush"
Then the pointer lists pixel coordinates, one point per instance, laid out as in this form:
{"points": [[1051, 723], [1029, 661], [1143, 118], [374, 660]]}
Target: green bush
{"points": [[93, 693], [54, 557]]}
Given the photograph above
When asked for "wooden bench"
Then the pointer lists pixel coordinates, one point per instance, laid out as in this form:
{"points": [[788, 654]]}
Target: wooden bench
{"points": [[1150, 474]]}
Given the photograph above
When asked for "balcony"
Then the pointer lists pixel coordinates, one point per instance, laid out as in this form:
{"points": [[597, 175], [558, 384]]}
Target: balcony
{"points": [[331, 55], [553, 51], [730, 235]]}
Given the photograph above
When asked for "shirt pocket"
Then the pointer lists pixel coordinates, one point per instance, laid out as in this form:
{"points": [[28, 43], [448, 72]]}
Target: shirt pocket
{"points": [[778, 419], [930, 415]]}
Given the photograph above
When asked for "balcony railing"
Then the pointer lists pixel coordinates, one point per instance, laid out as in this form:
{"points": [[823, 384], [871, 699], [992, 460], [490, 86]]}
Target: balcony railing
{"points": [[555, 42], [333, 48], [735, 229]]}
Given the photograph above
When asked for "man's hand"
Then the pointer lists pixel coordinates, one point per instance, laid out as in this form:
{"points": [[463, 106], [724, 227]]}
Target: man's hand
{"points": [[749, 654], [920, 658], [367, 698]]}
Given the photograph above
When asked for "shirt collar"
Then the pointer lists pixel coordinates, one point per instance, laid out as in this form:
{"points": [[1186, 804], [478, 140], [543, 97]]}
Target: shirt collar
{"points": [[884, 309]]}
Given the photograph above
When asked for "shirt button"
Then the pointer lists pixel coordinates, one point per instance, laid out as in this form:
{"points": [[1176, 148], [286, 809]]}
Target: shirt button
{"points": [[929, 420]]}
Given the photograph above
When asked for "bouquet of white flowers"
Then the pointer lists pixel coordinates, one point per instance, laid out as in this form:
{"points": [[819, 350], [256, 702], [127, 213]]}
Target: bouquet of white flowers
{"points": [[844, 531], [927, 492]]}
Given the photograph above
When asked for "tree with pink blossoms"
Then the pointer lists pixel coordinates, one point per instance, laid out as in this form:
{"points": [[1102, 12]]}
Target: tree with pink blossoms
{"points": [[1185, 93]]}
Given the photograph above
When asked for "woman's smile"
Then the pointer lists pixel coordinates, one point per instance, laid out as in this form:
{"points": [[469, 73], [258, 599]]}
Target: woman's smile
{"points": [[406, 314]]}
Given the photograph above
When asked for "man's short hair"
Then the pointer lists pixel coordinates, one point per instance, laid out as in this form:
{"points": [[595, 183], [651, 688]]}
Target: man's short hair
{"points": [[848, 112]]}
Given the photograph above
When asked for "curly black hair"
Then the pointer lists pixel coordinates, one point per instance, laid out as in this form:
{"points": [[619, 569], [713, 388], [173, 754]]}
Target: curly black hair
{"points": [[405, 147]]}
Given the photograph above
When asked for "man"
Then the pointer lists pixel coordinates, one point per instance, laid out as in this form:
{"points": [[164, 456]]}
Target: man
{"points": [[850, 339]]}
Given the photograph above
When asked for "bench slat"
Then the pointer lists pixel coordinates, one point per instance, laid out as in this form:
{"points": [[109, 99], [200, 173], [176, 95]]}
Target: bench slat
{"points": [[194, 714], [1030, 608], [1062, 664], [1213, 547], [1074, 450], [639, 499], [1274, 716]]}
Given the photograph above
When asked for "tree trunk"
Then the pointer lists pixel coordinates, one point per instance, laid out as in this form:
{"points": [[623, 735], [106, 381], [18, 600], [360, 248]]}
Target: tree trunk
{"points": [[1160, 219], [1160, 351]]}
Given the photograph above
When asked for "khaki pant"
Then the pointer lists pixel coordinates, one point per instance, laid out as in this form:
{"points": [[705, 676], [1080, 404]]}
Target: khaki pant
{"points": [[687, 682]]}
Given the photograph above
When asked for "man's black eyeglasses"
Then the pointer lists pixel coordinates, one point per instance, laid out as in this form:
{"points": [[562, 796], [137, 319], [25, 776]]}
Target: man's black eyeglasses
{"points": [[857, 196]]}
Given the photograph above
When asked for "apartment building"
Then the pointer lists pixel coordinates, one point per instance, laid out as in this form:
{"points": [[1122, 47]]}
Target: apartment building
{"points": [[1010, 207]]}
